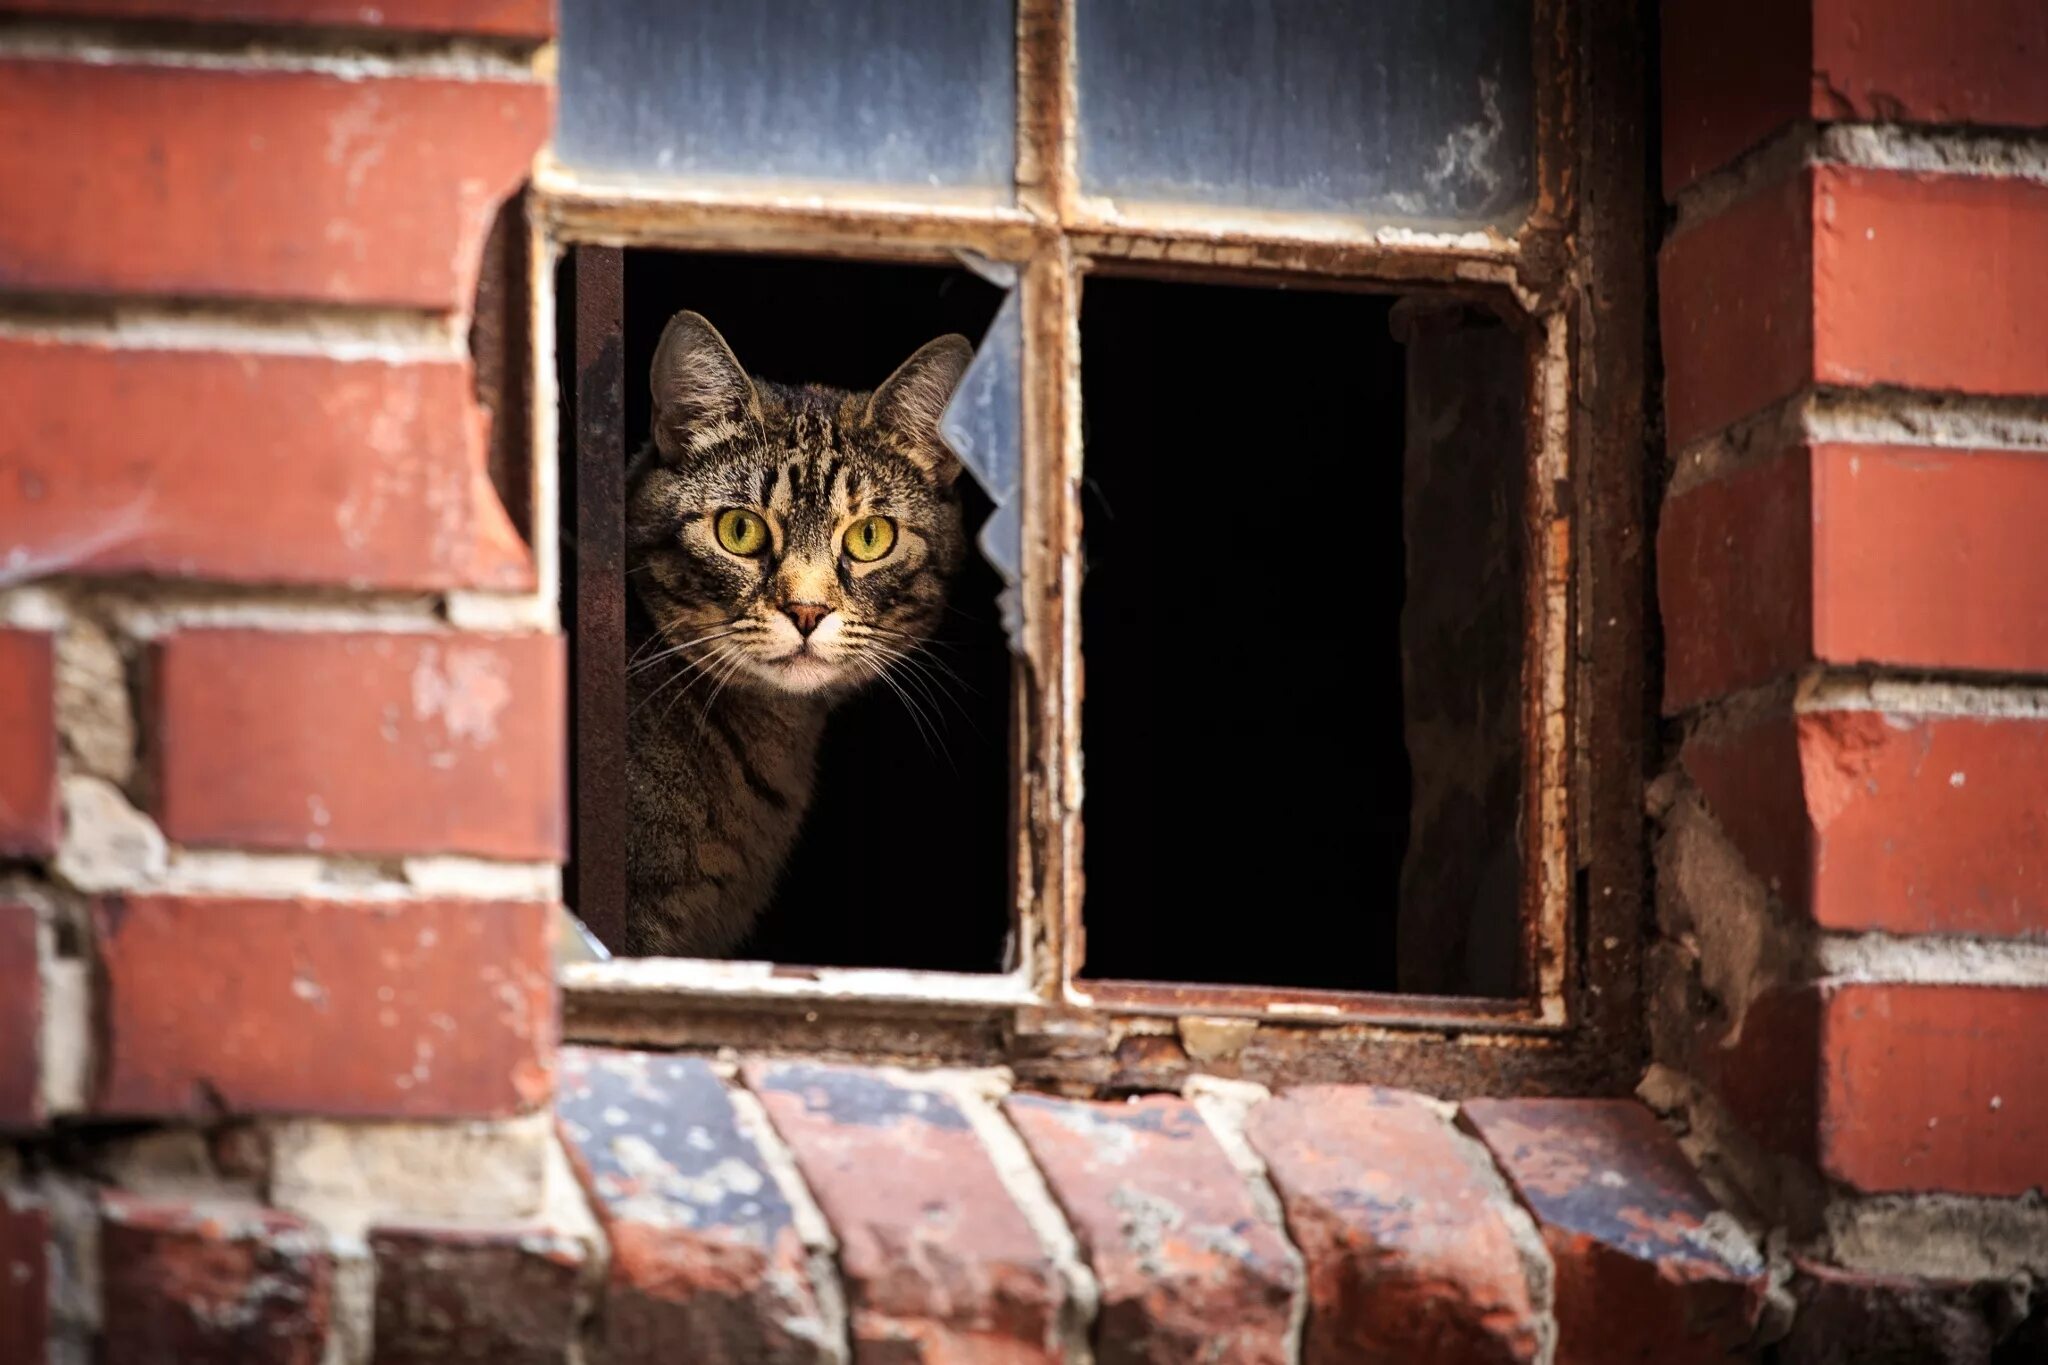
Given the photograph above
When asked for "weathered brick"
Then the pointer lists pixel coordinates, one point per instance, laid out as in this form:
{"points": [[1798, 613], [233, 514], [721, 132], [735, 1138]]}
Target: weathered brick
{"points": [[1850, 277], [28, 741], [707, 1263], [1935, 282], [1735, 306], [506, 1295], [1736, 72], [24, 1280], [1648, 1267], [1905, 823], [940, 1264], [1188, 1268], [502, 18], [1890, 1088], [1415, 1248], [190, 180], [427, 1009], [361, 743], [210, 1283], [1853, 554], [1735, 581], [1927, 1087], [21, 1018], [360, 472], [1848, 1317]]}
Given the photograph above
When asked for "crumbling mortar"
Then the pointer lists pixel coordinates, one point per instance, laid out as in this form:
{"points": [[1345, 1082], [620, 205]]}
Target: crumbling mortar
{"points": [[1224, 1106], [1864, 145], [979, 1096], [821, 1245]]}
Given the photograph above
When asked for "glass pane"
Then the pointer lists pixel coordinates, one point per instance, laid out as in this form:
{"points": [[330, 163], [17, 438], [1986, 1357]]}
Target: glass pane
{"points": [[865, 91], [1417, 111]]}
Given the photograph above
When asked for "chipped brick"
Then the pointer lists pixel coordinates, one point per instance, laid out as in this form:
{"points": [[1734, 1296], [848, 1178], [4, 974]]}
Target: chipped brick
{"points": [[1648, 1266], [509, 1295], [940, 1264], [1188, 1268], [210, 1283], [1415, 1248], [707, 1262]]}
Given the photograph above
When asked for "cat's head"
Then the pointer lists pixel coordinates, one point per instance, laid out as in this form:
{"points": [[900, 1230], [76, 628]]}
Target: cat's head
{"points": [[793, 538]]}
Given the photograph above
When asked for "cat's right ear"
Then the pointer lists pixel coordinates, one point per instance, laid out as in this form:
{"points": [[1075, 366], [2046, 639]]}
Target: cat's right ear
{"points": [[701, 395]]}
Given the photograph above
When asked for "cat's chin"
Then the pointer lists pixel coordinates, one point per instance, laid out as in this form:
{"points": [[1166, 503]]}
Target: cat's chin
{"points": [[801, 676]]}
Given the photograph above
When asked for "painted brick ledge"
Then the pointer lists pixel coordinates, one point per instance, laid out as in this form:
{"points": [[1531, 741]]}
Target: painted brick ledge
{"points": [[786, 1211]]}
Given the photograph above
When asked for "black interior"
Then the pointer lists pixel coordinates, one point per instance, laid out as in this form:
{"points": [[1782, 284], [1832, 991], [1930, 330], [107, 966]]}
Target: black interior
{"points": [[1247, 781], [921, 879]]}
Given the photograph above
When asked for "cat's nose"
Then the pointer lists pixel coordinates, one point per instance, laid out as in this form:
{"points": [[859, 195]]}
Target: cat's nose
{"points": [[806, 615]]}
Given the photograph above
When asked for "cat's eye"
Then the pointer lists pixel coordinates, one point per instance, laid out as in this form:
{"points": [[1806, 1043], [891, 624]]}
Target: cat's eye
{"points": [[741, 531], [868, 539]]}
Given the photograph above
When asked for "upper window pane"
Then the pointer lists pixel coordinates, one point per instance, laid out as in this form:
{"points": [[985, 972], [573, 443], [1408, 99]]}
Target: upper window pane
{"points": [[867, 92], [1415, 111]]}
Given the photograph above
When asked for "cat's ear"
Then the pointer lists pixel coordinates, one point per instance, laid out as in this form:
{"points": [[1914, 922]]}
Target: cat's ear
{"points": [[701, 395], [909, 403]]}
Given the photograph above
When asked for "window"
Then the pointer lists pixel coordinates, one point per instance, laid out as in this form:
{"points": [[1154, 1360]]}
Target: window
{"points": [[1300, 719]]}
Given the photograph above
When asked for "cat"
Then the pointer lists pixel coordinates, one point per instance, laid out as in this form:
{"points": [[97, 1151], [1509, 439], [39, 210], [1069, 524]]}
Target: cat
{"points": [[786, 546]]}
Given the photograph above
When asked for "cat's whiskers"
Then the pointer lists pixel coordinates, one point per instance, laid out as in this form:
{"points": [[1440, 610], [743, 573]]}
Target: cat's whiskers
{"points": [[915, 712], [633, 669]]}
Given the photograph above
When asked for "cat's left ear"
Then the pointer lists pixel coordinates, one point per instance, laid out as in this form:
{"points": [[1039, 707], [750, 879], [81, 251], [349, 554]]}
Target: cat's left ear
{"points": [[909, 403]]}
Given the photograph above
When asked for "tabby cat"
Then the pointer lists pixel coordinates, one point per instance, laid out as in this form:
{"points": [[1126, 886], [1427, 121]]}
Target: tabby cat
{"points": [[787, 545]]}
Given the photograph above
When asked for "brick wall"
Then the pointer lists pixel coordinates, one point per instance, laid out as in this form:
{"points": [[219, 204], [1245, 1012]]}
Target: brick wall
{"points": [[281, 749], [1852, 980], [281, 794]]}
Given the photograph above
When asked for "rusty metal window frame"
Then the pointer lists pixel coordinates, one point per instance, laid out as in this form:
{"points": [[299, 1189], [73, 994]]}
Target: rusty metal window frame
{"points": [[1572, 277]]}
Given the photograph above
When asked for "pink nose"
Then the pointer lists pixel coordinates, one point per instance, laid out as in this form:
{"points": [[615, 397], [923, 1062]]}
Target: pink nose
{"points": [[807, 615]]}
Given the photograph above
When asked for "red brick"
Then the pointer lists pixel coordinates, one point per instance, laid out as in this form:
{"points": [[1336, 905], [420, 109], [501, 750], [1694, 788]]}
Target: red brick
{"points": [[425, 1009], [186, 180], [1853, 554], [28, 741], [505, 1295], [1643, 1270], [1930, 557], [1901, 823], [1408, 1232], [501, 18], [706, 1260], [1734, 581], [1762, 1067], [1734, 73], [357, 472], [1736, 304], [1188, 1267], [1850, 277], [1927, 1087], [1935, 282], [210, 1284], [24, 1281], [361, 743], [939, 1263], [21, 1019], [1848, 1317]]}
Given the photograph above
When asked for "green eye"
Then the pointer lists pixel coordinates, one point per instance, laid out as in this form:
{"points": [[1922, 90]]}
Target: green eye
{"points": [[742, 532], [870, 538]]}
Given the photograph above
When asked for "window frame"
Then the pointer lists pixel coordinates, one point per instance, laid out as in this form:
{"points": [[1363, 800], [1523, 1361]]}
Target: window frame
{"points": [[1574, 274]]}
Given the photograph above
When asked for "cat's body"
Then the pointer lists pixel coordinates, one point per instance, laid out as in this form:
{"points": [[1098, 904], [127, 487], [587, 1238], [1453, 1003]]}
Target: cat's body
{"points": [[786, 545]]}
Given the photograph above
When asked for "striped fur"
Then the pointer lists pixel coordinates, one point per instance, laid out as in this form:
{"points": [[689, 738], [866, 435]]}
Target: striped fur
{"points": [[728, 697]]}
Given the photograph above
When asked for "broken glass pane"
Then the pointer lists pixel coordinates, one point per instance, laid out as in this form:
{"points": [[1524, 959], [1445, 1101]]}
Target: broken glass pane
{"points": [[1413, 111], [984, 425], [862, 91]]}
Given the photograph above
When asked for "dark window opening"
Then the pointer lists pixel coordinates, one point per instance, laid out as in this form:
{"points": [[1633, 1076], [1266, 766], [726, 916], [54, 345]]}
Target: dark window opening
{"points": [[1301, 628], [916, 873]]}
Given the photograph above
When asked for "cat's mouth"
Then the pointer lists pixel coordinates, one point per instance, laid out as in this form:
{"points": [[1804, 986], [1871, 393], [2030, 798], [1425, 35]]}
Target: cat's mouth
{"points": [[803, 669]]}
